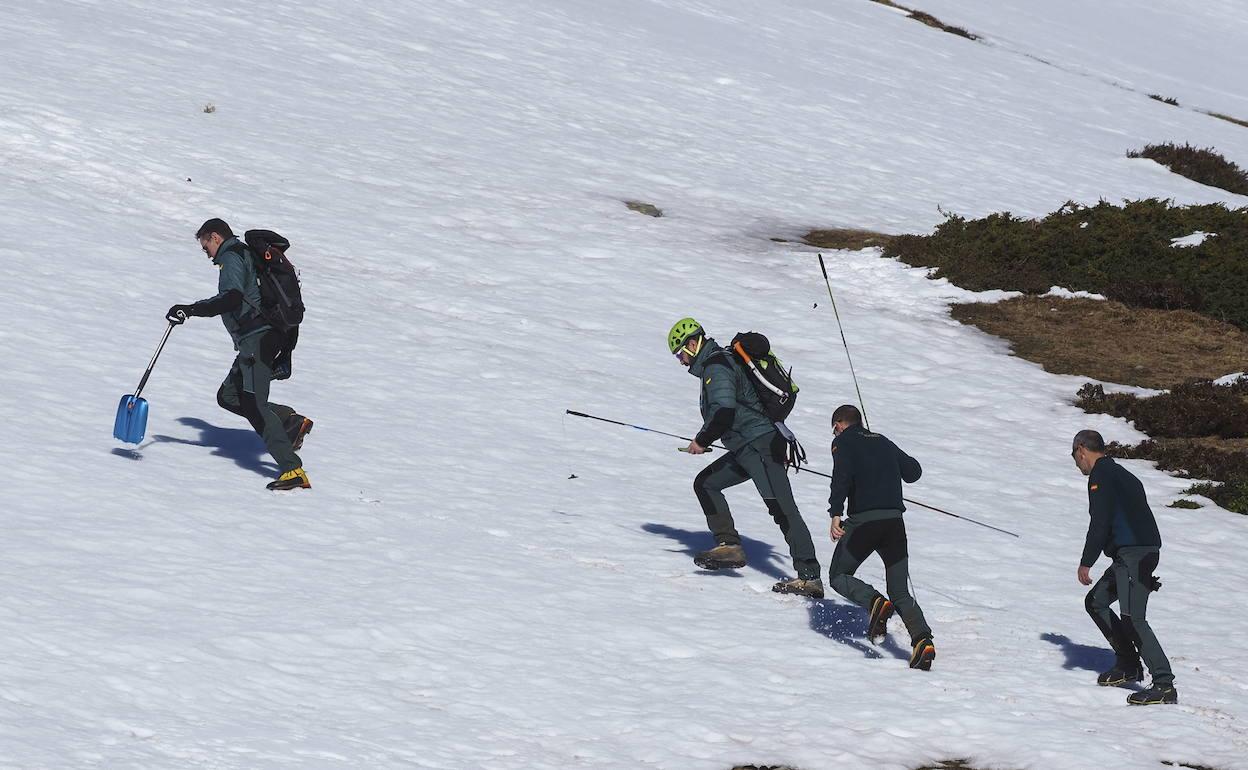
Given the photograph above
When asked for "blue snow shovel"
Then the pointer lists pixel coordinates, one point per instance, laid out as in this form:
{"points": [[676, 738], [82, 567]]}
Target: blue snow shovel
{"points": [[131, 420]]}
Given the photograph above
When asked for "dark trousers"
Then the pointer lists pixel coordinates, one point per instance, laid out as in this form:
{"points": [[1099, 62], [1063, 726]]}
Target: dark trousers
{"points": [[757, 461], [1128, 581], [882, 532], [245, 392]]}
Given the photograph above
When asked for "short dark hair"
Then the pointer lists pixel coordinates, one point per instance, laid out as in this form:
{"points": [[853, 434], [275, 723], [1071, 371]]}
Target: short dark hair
{"points": [[214, 225], [1088, 439], [847, 413]]}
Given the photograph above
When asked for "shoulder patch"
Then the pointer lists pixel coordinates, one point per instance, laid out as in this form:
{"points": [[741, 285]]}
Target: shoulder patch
{"points": [[1093, 487]]}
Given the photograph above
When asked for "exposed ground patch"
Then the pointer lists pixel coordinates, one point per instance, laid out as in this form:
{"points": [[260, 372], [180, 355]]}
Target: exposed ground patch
{"points": [[641, 207], [1228, 119], [929, 20], [1111, 342], [1206, 166], [848, 239]]}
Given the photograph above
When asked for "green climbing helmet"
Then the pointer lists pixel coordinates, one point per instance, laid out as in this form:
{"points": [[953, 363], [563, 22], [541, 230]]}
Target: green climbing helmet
{"points": [[681, 331]]}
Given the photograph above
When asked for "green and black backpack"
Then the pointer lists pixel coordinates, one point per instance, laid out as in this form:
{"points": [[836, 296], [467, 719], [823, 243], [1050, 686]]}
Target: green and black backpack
{"points": [[773, 384]]}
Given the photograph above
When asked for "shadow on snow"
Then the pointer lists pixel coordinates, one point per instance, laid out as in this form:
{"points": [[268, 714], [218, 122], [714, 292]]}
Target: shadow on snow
{"points": [[1082, 656], [241, 445], [841, 622]]}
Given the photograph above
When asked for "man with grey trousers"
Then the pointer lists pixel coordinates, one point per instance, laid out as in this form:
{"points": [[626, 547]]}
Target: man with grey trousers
{"points": [[731, 411], [245, 391], [1123, 527], [866, 508]]}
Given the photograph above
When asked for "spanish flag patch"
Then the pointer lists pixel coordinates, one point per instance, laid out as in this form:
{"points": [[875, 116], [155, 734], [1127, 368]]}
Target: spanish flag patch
{"points": [[1094, 487]]}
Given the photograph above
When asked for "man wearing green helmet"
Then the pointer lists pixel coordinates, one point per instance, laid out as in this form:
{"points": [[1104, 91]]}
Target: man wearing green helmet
{"points": [[732, 412]]}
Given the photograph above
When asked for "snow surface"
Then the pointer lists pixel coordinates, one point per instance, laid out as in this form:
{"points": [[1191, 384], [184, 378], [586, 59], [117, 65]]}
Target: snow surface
{"points": [[446, 596], [1192, 52], [1058, 291], [1189, 241]]}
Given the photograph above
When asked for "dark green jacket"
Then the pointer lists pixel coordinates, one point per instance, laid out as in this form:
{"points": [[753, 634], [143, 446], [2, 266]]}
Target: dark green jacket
{"points": [[237, 300], [730, 406]]}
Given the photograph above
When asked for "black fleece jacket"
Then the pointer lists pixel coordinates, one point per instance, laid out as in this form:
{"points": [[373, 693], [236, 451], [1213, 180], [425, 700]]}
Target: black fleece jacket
{"points": [[1119, 512], [868, 470]]}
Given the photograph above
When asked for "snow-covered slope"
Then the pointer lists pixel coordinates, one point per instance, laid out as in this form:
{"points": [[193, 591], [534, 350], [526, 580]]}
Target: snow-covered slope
{"points": [[446, 596]]}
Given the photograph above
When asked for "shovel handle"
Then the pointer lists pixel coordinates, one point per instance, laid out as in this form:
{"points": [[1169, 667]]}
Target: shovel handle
{"points": [[152, 364]]}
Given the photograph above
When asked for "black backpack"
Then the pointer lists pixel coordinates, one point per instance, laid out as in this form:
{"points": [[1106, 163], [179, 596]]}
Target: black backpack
{"points": [[773, 384], [281, 300]]}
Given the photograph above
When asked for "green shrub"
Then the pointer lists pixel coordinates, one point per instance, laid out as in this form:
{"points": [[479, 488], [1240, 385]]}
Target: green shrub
{"points": [[1205, 166], [1123, 252], [1185, 503], [1196, 459], [1192, 409], [1165, 99]]}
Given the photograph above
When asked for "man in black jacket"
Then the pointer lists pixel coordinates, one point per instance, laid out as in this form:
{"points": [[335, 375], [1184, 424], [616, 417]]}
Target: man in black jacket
{"points": [[867, 472], [1122, 526]]}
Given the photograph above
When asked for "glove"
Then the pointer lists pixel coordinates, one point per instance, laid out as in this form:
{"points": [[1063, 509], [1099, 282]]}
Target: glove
{"points": [[178, 314]]}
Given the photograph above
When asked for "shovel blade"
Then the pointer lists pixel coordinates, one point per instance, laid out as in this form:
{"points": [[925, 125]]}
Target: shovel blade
{"points": [[131, 422]]}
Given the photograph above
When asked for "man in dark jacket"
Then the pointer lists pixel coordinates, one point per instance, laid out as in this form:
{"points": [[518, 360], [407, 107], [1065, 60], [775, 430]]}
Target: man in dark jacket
{"points": [[867, 472], [1122, 526], [732, 412], [245, 391]]}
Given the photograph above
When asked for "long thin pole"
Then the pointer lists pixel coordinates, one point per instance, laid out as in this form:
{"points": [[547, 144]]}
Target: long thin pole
{"points": [[848, 357], [637, 427], [152, 364], [800, 469]]}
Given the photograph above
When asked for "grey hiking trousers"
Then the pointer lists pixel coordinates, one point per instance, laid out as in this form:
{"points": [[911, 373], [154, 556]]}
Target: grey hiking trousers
{"points": [[758, 461], [881, 531], [1128, 581]]}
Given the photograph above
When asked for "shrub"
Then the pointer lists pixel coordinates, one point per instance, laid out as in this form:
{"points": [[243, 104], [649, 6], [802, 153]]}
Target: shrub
{"points": [[1205, 166], [1165, 99], [1185, 503], [1198, 459], [1192, 409], [1123, 252]]}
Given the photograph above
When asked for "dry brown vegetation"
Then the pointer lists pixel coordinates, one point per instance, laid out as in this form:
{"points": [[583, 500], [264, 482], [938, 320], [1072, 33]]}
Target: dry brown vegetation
{"points": [[848, 239], [1112, 342]]}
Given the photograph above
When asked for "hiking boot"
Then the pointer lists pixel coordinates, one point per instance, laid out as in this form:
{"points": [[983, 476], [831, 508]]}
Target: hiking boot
{"points": [[812, 587], [877, 626], [923, 655], [1119, 675], [297, 426], [296, 479], [1155, 695], [722, 556]]}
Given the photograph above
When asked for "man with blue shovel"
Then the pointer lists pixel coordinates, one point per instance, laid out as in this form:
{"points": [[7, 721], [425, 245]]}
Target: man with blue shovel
{"points": [[245, 390]]}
